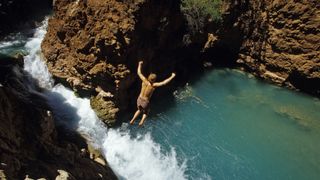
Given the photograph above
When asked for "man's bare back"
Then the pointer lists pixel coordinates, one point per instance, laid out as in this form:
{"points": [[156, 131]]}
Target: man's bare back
{"points": [[147, 88]]}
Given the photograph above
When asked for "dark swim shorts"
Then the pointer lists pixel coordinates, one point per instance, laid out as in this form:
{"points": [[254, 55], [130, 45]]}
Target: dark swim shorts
{"points": [[143, 104]]}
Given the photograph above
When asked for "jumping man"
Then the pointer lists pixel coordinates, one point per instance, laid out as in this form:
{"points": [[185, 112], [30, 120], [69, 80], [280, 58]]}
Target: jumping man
{"points": [[147, 88]]}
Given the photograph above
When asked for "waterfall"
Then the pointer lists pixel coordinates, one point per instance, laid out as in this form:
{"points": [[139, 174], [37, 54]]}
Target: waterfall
{"points": [[129, 157], [33, 63]]}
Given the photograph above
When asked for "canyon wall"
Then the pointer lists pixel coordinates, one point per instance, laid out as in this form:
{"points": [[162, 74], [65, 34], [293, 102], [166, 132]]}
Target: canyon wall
{"points": [[94, 46], [275, 40], [282, 42]]}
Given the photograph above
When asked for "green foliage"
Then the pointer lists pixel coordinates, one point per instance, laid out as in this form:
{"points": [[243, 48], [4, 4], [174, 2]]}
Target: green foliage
{"points": [[198, 12]]}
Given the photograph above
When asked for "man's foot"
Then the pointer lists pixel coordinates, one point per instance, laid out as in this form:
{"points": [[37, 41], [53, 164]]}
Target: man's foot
{"points": [[143, 120], [131, 122]]}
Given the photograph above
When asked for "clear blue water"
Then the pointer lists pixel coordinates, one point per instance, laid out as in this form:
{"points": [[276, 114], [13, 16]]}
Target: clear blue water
{"points": [[229, 125]]}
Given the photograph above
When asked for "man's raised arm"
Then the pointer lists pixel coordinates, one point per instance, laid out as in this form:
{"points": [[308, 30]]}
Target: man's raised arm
{"points": [[139, 72], [158, 84]]}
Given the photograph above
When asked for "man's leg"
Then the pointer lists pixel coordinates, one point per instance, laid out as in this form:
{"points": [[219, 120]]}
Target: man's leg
{"points": [[135, 116], [144, 116]]}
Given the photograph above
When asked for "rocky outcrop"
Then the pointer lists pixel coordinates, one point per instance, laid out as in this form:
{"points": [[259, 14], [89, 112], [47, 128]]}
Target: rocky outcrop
{"points": [[17, 14], [95, 44], [282, 42], [276, 40], [31, 144]]}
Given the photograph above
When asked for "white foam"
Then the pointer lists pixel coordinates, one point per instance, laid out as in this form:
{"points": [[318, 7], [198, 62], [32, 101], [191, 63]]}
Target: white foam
{"points": [[140, 157], [131, 158], [6, 44], [13, 39], [33, 63]]}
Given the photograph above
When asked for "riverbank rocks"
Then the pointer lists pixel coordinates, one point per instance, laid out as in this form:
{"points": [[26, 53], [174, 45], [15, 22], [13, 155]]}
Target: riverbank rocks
{"points": [[285, 40], [276, 40], [32, 144]]}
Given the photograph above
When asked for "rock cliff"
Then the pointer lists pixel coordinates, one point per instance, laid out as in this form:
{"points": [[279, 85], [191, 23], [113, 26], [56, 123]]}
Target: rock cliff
{"points": [[276, 40], [31, 144], [94, 46], [283, 42]]}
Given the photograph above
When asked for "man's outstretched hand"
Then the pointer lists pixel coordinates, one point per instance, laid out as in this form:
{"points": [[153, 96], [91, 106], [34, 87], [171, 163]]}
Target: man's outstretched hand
{"points": [[140, 62], [173, 74]]}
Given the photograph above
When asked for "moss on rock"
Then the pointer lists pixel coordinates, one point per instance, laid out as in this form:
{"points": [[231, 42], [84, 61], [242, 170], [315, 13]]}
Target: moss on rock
{"points": [[105, 109]]}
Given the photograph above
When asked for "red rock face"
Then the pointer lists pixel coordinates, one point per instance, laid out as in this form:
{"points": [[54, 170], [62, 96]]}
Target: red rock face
{"points": [[282, 42], [275, 40], [96, 44], [86, 45], [92, 44]]}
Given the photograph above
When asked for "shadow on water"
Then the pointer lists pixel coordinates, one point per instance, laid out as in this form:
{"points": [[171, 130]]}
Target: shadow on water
{"points": [[64, 114], [163, 98], [158, 104]]}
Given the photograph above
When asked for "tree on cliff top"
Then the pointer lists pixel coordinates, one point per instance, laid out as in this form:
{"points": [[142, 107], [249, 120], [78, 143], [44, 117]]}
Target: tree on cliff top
{"points": [[198, 12]]}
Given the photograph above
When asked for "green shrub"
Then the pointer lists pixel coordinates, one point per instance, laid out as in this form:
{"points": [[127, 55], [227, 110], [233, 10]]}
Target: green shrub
{"points": [[198, 12]]}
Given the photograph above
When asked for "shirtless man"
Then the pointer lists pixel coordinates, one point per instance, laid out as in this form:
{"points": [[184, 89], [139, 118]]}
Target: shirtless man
{"points": [[147, 88]]}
